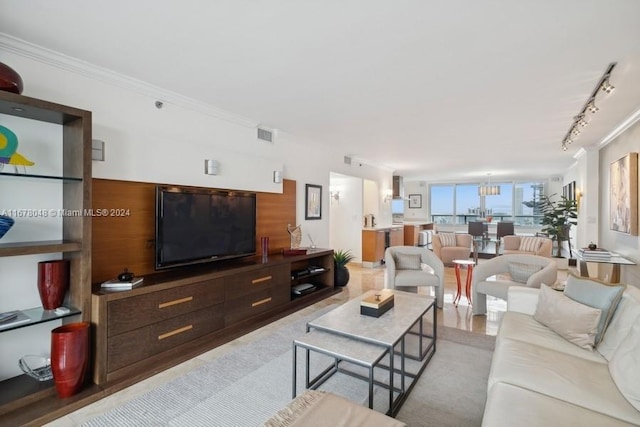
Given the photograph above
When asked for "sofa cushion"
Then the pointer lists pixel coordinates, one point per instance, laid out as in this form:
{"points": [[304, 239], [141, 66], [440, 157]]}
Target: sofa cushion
{"points": [[523, 327], [530, 244], [509, 405], [595, 294], [627, 313], [447, 239], [625, 366], [520, 272], [416, 278], [573, 321], [562, 376], [407, 261]]}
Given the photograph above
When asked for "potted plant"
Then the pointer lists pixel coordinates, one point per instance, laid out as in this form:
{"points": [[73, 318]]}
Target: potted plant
{"points": [[341, 273], [557, 218]]}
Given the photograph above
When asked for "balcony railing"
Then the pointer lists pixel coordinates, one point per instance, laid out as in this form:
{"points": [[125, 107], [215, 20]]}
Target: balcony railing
{"points": [[521, 220]]}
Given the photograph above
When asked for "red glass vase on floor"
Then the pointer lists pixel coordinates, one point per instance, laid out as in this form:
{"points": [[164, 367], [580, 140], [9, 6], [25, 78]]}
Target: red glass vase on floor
{"points": [[69, 357], [53, 282]]}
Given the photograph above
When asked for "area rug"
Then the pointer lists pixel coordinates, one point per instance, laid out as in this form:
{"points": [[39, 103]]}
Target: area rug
{"points": [[251, 383]]}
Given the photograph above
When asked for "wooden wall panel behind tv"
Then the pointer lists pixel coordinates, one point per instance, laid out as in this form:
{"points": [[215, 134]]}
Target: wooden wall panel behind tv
{"points": [[127, 241]]}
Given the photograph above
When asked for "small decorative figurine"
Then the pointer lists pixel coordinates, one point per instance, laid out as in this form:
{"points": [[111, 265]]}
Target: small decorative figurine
{"points": [[9, 151], [296, 235], [592, 246]]}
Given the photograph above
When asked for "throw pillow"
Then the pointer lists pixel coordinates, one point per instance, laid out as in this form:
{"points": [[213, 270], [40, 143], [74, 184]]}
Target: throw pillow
{"points": [[595, 294], [447, 239], [575, 322], [521, 272], [408, 261], [530, 244]]}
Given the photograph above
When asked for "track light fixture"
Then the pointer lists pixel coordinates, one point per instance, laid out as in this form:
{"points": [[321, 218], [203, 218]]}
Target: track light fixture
{"points": [[589, 106], [592, 107], [607, 87]]}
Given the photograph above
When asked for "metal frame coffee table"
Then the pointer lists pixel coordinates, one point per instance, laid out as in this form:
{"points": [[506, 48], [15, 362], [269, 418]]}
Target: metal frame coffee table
{"points": [[347, 336]]}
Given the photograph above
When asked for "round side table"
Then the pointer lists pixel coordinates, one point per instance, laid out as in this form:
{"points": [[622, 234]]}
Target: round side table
{"points": [[469, 264]]}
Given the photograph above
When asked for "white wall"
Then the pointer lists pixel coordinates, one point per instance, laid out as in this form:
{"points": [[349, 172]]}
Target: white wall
{"points": [[625, 244], [167, 145], [346, 215]]}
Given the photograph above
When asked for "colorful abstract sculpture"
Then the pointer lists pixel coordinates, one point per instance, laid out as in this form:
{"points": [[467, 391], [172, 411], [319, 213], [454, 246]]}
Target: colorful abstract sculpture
{"points": [[9, 151]]}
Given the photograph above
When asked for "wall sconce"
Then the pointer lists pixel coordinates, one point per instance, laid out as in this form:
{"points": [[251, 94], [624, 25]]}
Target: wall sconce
{"points": [[277, 177], [578, 198], [335, 195], [388, 195], [211, 167]]}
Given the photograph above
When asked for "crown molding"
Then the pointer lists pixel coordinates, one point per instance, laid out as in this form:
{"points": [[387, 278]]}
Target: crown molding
{"points": [[623, 126], [59, 60]]}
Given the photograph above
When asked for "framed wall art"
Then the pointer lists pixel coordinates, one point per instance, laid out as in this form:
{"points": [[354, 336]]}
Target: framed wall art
{"points": [[415, 201], [313, 201], [623, 195], [569, 190]]}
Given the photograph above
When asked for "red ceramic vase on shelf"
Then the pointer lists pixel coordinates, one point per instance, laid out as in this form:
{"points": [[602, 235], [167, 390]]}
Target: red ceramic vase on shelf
{"points": [[10, 80], [53, 282], [69, 357]]}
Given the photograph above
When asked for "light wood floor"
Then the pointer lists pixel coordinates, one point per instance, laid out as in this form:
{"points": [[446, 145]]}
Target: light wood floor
{"points": [[362, 280]]}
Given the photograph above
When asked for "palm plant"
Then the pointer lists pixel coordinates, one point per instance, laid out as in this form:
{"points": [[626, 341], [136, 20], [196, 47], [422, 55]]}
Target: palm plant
{"points": [[342, 257], [557, 218]]}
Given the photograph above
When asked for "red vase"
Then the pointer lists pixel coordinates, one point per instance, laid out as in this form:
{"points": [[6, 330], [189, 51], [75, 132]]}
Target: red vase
{"points": [[53, 282], [10, 80], [69, 357]]}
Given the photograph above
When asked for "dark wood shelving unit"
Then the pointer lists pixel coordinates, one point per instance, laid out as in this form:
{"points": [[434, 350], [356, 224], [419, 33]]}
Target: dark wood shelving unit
{"points": [[23, 400]]}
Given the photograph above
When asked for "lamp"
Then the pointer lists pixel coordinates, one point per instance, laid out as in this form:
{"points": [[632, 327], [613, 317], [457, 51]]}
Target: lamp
{"points": [[589, 106], [487, 189]]}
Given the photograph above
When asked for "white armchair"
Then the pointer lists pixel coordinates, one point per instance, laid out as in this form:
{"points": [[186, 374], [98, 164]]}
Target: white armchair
{"points": [[411, 266], [541, 270]]}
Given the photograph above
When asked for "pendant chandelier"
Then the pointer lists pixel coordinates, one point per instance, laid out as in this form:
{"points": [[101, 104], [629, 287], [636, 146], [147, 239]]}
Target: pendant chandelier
{"points": [[487, 189]]}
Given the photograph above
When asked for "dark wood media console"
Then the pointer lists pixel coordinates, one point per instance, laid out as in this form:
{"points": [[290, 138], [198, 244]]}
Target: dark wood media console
{"points": [[177, 315]]}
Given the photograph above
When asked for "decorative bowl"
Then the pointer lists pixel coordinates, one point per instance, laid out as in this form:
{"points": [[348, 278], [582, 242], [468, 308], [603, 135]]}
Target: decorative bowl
{"points": [[37, 367], [6, 222]]}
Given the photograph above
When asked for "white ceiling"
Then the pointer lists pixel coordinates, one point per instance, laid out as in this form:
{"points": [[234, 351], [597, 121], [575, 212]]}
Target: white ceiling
{"points": [[433, 89]]}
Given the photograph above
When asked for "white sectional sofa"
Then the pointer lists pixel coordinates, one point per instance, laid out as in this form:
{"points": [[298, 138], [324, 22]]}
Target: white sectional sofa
{"points": [[538, 378]]}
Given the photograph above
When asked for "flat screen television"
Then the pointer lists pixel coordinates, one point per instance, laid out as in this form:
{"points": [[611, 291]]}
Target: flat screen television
{"points": [[197, 225]]}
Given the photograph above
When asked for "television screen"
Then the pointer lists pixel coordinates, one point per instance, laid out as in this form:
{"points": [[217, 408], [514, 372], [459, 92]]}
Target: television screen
{"points": [[195, 225]]}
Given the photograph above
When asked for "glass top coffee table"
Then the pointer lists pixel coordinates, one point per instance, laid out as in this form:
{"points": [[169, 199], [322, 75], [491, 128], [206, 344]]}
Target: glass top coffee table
{"points": [[403, 333]]}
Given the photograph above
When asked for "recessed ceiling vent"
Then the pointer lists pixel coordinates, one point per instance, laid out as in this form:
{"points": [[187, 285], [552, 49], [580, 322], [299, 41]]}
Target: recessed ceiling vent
{"points": [[266, 135], [347, 160]]}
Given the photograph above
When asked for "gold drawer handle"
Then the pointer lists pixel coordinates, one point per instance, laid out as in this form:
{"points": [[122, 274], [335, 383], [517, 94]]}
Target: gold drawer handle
{"points": [[174, 302], [175, 332], [261, 279], [262, 301]]}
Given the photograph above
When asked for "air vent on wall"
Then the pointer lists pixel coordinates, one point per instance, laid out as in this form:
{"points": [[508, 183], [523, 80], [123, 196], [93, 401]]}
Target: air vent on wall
{"points": [[265, 135]]}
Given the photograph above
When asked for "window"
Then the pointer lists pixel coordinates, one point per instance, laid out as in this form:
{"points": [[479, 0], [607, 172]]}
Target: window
{"points": [[442, 204], [500, 207], [460, 203], [467, 203], [527, 197]]}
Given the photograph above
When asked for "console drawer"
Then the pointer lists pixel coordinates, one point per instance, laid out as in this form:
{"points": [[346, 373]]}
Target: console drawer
{"points": [[257, 280], [131, 313], [255, 303], [141, 343]]}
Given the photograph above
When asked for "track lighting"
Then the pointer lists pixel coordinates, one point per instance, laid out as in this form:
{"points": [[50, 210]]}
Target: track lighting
{"points": [[607, 87], [590, 106], [580, 120]]}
